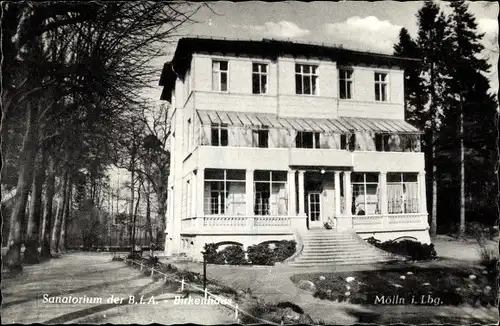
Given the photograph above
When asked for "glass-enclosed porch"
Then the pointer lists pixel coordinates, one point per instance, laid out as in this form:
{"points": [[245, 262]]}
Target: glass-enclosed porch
{"points": [[263, 201]]}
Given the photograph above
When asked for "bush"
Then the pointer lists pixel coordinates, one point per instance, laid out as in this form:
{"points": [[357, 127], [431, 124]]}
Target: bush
{"points": [[233, 255], [134, 256], [415, 250], [260, 254], [284, 249], [489, 259]]}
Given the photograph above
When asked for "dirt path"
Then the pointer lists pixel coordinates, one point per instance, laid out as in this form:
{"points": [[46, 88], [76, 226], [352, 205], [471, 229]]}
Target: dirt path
{"points": [[94, 277]]}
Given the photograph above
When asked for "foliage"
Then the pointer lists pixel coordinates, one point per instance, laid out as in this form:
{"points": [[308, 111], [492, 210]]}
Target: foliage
{"points": [[327, 226], [489, 259], [284, 249], [260, 254], [233, 255], [453, 286], [415, 250]]}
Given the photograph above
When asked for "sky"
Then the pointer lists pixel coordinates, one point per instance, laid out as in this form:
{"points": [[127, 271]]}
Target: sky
{"points": [[359, 25]]}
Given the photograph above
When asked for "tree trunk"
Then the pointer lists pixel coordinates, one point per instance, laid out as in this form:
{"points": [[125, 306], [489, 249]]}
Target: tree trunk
{"points": [[56, 229], [135, 218], [132, 196], [12, 259], [32, 242], [162, 208], [148, 213], [462, 175], [65, 217], [47, 213]]}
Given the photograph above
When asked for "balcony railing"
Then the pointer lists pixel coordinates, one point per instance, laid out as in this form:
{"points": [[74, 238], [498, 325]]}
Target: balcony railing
{"points": [[389, 222], [238, 224]]}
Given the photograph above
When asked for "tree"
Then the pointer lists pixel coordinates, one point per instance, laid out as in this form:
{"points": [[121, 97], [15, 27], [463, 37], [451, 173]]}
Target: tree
{"points": [[434, 49], [467, 84], [83, 63]]}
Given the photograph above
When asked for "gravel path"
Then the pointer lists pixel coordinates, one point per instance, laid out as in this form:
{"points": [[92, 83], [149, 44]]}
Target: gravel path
{"points": [[95, 277]]}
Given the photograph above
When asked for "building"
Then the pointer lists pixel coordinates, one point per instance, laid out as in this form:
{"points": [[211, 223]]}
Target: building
{"points": [[273, 138]]}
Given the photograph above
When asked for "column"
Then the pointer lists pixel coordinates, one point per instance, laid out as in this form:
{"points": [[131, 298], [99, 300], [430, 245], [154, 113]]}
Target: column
{"points": [[200, 193], [336, 177], [383, 193], [249, 193], [347, 193], [302, 210], [422, 200], [292, 207]]}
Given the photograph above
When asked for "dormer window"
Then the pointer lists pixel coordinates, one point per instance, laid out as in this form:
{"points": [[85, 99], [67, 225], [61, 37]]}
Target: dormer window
{"points": [[219, 76]]}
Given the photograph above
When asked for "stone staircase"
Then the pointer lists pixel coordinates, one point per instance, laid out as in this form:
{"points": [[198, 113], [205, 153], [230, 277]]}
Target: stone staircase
{"points": [[321, 247]]}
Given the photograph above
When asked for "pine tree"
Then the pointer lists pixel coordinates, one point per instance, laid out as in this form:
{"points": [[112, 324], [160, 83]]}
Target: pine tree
{"points": [[469, 101], [433, 49], [415, 98]]}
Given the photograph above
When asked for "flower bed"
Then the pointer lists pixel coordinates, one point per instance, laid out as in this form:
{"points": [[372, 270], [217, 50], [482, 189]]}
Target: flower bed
{"points": [[413, 285]]}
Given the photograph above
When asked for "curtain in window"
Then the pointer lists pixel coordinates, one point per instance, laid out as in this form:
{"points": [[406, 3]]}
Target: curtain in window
{"points": [[394, 143], [274, 138], [365, 141], [206, 135], [278, 199], [233, 136], [329, 140], [395, 198], [236, 204]]}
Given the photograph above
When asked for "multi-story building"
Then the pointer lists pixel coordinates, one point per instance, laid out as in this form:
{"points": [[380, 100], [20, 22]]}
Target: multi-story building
{"points": [[273, 138]]}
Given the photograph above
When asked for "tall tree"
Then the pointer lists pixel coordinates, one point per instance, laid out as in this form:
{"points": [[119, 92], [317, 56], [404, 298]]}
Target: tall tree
{"points": [[434, 48], [466, 85]]}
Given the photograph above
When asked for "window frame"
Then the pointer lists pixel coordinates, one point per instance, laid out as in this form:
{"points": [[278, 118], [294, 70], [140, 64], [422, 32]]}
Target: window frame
{"points": [[270, 182], [348, 82], [219, 127], [259, 74], [220, 72], [381, 85], [256, 141], [224, 181], [316, 139], [309, 75], [365, 183]]}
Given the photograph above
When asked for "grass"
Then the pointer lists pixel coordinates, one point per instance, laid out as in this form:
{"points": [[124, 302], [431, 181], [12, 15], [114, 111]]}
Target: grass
{"points": [[451, 285]]}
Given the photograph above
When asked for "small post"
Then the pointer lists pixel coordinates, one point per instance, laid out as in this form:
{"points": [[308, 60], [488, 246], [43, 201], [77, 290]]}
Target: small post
{"points": [[206, 294], [204, 270], [182, 285], [141, 266], [236, 312], [165, 279], [152, 272]]}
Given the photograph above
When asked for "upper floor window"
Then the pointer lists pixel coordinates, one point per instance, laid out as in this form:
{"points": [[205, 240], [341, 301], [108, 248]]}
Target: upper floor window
{"points": [[260, 138], [219, 135], [306, 79], [259, 78], [306, 139], [380, 86], [219, 76], [345, 83]]}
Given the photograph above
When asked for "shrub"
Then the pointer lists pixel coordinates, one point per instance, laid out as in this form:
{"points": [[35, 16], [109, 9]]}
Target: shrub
{"points": [[327, 226], [233, 255], [415, 250], [284, 249], [489, 259], [134, 256], [210, 253], [260, 254]]}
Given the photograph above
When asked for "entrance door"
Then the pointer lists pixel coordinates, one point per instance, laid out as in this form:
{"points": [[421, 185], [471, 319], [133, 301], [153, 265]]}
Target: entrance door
{"points": [[314, 209]]}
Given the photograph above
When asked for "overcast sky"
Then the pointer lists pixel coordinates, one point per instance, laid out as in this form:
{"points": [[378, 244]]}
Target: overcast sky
{"points": [[369, 26]]}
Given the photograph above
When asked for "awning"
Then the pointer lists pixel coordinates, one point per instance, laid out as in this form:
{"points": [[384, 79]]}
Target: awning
{"points": [[337, 125]]}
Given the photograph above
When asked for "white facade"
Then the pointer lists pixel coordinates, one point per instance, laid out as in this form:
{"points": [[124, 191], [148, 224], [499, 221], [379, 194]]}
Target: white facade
{"points": [[249, 168]]}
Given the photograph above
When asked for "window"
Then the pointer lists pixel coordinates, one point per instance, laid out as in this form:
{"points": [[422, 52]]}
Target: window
{"points": [[307, 139], [345, 83], [219, 76], [347, 141], [224, 192], [402, 193], [380, 86], [259, 78], [260, 138], [219, 135], [270, 193], [365, 196], [382, 142], [306, 79]]}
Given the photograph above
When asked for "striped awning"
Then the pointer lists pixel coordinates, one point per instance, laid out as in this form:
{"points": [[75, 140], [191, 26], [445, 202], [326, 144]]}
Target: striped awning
{"points": [[337, 125]]}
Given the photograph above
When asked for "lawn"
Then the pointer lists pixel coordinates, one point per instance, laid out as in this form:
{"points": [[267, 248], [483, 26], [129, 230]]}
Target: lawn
{"points": [[407, 285]]}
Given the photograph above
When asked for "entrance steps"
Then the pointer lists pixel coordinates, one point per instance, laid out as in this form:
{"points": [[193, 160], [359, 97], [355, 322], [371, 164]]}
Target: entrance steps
{"points": [[322, 247]]}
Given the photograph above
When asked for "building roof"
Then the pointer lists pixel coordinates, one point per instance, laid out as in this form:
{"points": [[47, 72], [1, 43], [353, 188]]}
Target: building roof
{"points": [[266, 48], [336, 125]]}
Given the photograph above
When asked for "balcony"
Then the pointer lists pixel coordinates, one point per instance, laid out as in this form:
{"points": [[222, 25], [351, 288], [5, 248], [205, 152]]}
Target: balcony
{"points": [[389, 222]]}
